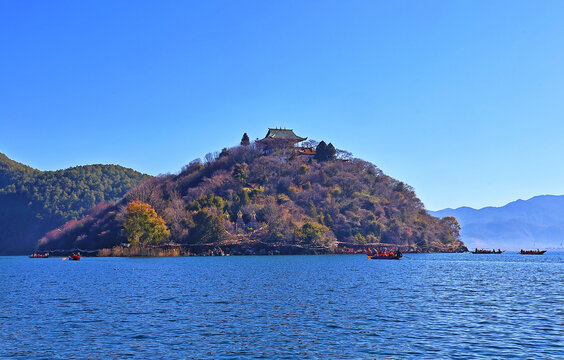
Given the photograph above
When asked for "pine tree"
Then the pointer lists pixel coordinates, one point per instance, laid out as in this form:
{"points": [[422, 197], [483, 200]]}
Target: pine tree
{"points": [[331, 152], [245, 140], [320, 151]]}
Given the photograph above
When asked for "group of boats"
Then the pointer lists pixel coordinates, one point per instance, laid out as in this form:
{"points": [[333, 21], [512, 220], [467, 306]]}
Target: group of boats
{"points": [[73, 256], [396, 254], [374, 254], [486, 251], [499, 251], [39, 255]]}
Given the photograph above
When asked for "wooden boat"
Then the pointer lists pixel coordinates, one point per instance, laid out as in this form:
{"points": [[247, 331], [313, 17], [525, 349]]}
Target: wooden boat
{"points": [[74, 257], [532, 252], [384, 254], [484, 251], [39, 256]]}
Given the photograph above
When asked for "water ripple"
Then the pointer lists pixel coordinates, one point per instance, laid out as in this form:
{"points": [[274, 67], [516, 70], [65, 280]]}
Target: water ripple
{"points": [[427, 306]]}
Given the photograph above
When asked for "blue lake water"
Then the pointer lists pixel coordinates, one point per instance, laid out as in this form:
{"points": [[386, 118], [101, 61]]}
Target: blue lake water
{"points": [[456, 306]]}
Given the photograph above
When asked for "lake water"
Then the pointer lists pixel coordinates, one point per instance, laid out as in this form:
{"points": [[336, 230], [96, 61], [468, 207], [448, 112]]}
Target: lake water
{"points": [[456, 306]]}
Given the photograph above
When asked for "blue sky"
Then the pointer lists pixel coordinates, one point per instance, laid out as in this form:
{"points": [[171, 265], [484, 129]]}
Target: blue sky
{"points": [[463, 100]]}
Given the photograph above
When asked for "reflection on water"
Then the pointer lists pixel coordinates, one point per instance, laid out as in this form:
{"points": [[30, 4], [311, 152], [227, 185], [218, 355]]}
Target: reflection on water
{"points": [[295, 307]]}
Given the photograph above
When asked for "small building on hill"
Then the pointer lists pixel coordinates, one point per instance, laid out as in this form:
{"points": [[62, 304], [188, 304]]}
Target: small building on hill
{"points": [[307, 152], [284, 134]]}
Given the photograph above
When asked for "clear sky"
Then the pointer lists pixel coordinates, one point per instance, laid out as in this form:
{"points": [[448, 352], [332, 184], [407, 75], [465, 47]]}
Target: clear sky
{"points": [[463, 100]]}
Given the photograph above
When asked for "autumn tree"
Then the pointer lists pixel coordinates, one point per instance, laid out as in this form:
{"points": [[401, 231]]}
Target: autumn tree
{"points": [[245, 140], [452, 225], [143, 225]]}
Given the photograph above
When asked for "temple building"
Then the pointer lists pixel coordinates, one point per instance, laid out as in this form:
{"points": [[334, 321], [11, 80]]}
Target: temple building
{"points": [[307, 152], [284, 134]]}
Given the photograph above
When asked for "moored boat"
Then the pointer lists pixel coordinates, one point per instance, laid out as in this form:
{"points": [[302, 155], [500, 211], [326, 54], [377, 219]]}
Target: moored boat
{"points": [[74, 256], [484, 251], [39, 255], [532, 252]]}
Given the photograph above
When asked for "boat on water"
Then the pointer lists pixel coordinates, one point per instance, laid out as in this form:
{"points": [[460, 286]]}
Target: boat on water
{"points": [[485, 251], [39, 255], [384, 254], [74, 256], [532, 252]]}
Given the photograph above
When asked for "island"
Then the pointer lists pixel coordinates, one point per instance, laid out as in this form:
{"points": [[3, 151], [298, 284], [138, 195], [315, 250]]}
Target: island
{"points": [[282, 194]]}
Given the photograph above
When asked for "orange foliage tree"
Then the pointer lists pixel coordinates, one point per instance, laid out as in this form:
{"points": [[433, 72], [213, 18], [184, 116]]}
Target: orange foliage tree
{"points": [[143, 225]]}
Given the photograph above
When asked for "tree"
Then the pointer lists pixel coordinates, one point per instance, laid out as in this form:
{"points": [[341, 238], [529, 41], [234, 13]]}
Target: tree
{"points": [[312, 233], [209, 201], [324, 152], [208, 228], [224, 152], [244, 198], [330, 152], [344, 155], [245, 140], [320, 151], [241, 172], [211, 157], [143, 225], [452, 226], [310, 143]]}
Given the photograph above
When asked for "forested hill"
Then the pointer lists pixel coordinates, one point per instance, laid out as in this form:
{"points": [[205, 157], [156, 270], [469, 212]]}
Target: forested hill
{"points": [[33, 201], [265, 194]]}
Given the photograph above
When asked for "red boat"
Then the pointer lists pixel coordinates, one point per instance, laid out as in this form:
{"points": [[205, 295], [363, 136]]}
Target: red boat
{"points": [[74, 257], [532, 252], [384, 254], [39, 256]]}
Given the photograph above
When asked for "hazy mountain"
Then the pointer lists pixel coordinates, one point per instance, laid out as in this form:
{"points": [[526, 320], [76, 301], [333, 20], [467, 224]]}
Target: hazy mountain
{"points": [[534, 223]]}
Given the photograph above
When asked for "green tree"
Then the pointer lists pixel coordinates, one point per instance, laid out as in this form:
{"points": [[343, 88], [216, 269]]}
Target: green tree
{"points": [[224, 152], [241, 172], [312, 233], [320, 151], [208, 228], [244, 198], [209, 201], [143, 225], [330, 152], [245, 140], [324, 152]]}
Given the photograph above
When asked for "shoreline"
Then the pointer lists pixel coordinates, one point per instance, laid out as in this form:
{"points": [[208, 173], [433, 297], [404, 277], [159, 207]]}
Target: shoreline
{"points": [[253, 249]]}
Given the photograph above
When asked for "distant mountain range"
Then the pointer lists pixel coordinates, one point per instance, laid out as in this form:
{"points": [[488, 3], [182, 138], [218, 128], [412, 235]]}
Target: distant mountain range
{"points": [[534, 223]]}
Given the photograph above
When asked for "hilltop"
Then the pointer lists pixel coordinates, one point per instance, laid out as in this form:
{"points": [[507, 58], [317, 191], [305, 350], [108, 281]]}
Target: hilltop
{"points": [[273, 193], [33, 201], [521, 224]]}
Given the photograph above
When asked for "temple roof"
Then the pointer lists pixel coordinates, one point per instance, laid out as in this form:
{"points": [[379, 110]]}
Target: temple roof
{"points": [[306, 151], [279, 133]]}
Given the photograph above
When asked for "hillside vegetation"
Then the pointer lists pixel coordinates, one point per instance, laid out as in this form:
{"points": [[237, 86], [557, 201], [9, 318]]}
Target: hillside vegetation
{"points": [[242, 195], [33, 201]]}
